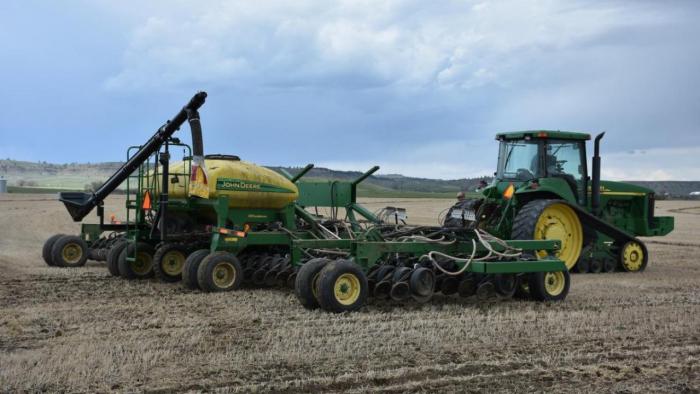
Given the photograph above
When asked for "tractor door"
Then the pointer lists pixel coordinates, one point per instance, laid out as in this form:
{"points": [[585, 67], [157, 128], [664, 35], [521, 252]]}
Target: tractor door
{"points": [[567, 159]]}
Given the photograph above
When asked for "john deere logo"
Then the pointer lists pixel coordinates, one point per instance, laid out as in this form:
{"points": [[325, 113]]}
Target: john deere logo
{"points": [[240, 185]]}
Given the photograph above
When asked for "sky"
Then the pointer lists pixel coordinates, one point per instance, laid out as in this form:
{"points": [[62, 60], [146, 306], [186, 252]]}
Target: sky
{"points": [[419, 88]]}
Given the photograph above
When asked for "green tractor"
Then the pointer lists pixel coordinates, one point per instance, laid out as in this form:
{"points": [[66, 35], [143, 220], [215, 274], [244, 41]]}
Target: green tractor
{"points": [[542, 190]]}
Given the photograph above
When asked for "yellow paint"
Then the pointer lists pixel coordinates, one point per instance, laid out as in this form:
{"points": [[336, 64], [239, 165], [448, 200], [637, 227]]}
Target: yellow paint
{"points": [[231, 239], [243, 170], [632, 256], [559, 221], [347, 289], [172, 263], [554, 283], [224, 275]]}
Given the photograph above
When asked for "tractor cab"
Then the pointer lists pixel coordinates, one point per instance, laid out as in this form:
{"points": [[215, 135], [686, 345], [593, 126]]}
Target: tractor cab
{"points": [[529, 156]]}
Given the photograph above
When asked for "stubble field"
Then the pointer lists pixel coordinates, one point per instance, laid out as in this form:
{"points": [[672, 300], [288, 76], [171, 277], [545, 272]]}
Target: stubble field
{"points": [[81, 330]]}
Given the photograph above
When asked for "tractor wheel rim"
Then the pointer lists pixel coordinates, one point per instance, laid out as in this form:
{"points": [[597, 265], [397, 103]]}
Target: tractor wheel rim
{"points": [[559, 221], [173, 262], [223, 275], [143, 263], [633, 256], [554, 283], [347, 289], [72, 253]]}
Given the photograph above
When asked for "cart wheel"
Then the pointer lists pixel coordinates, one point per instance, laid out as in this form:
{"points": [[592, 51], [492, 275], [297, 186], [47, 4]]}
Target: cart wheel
{"points": [[113, 257], [189, 271], [46, 250], [69, 251], [549, 286], [522, 290], [169, 261], [142, 266], [506, 284], [341, 287], [220, 271], [305, 282]]}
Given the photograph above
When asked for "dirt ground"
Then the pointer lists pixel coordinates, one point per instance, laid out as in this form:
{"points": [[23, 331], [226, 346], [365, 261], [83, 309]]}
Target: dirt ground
{"points": [[80, 330]]}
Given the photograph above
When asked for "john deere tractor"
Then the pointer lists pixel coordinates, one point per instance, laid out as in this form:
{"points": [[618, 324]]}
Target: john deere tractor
{"points": [[542, 190]]}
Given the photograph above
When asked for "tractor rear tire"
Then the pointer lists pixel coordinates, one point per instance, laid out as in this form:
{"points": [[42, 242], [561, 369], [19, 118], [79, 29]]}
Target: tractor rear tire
{"points": [[46, 250], [169, 261], [189, 271], [551, 219], [305, 282], [113, 257], [142, 267], [549, 286], [342, 287], [69, 251], [220, 271]]}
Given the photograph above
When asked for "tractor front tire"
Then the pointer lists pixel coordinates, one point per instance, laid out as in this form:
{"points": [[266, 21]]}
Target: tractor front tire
{"points": [[220, 271], [305, 282], [342, 287], [551, 219], [46, 250], [189, 271], [69, 251]]}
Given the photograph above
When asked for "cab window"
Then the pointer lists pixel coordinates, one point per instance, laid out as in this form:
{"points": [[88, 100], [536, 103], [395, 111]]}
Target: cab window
{"points": [[565, 159]]}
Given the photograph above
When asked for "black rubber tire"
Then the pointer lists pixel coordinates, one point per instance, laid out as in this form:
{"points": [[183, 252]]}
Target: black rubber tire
{"points": [[46, 250], [158, 270], [522, 290], [113, 257], [596, 266], [189, 271], [538, 291], [526, 219], [609, 265], [583, 266], [505, 284], [205, 272], [61, 243], [305, 282], [125, 269], [325, 286]]}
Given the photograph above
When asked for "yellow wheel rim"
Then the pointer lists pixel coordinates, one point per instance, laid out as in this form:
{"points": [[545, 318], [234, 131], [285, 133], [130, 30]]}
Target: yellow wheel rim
{"points": [[559, 221], [72, 253], [554, 283], [172, 262], [347, 289], [633, 256], [143, 263], [223, 275]]}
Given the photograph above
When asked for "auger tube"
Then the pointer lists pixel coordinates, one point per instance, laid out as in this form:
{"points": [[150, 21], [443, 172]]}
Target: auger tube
{"points": [[80, 204]]}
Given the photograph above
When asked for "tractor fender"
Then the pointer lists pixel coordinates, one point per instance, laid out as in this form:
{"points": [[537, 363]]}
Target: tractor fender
{"points": [[551, 188]]}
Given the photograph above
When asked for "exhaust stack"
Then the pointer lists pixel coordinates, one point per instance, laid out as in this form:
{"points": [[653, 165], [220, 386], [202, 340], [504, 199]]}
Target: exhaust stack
{"points": [[595, 183]]}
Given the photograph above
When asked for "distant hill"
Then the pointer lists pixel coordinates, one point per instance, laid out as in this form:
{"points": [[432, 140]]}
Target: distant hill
{"points": [[81, 176]]}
